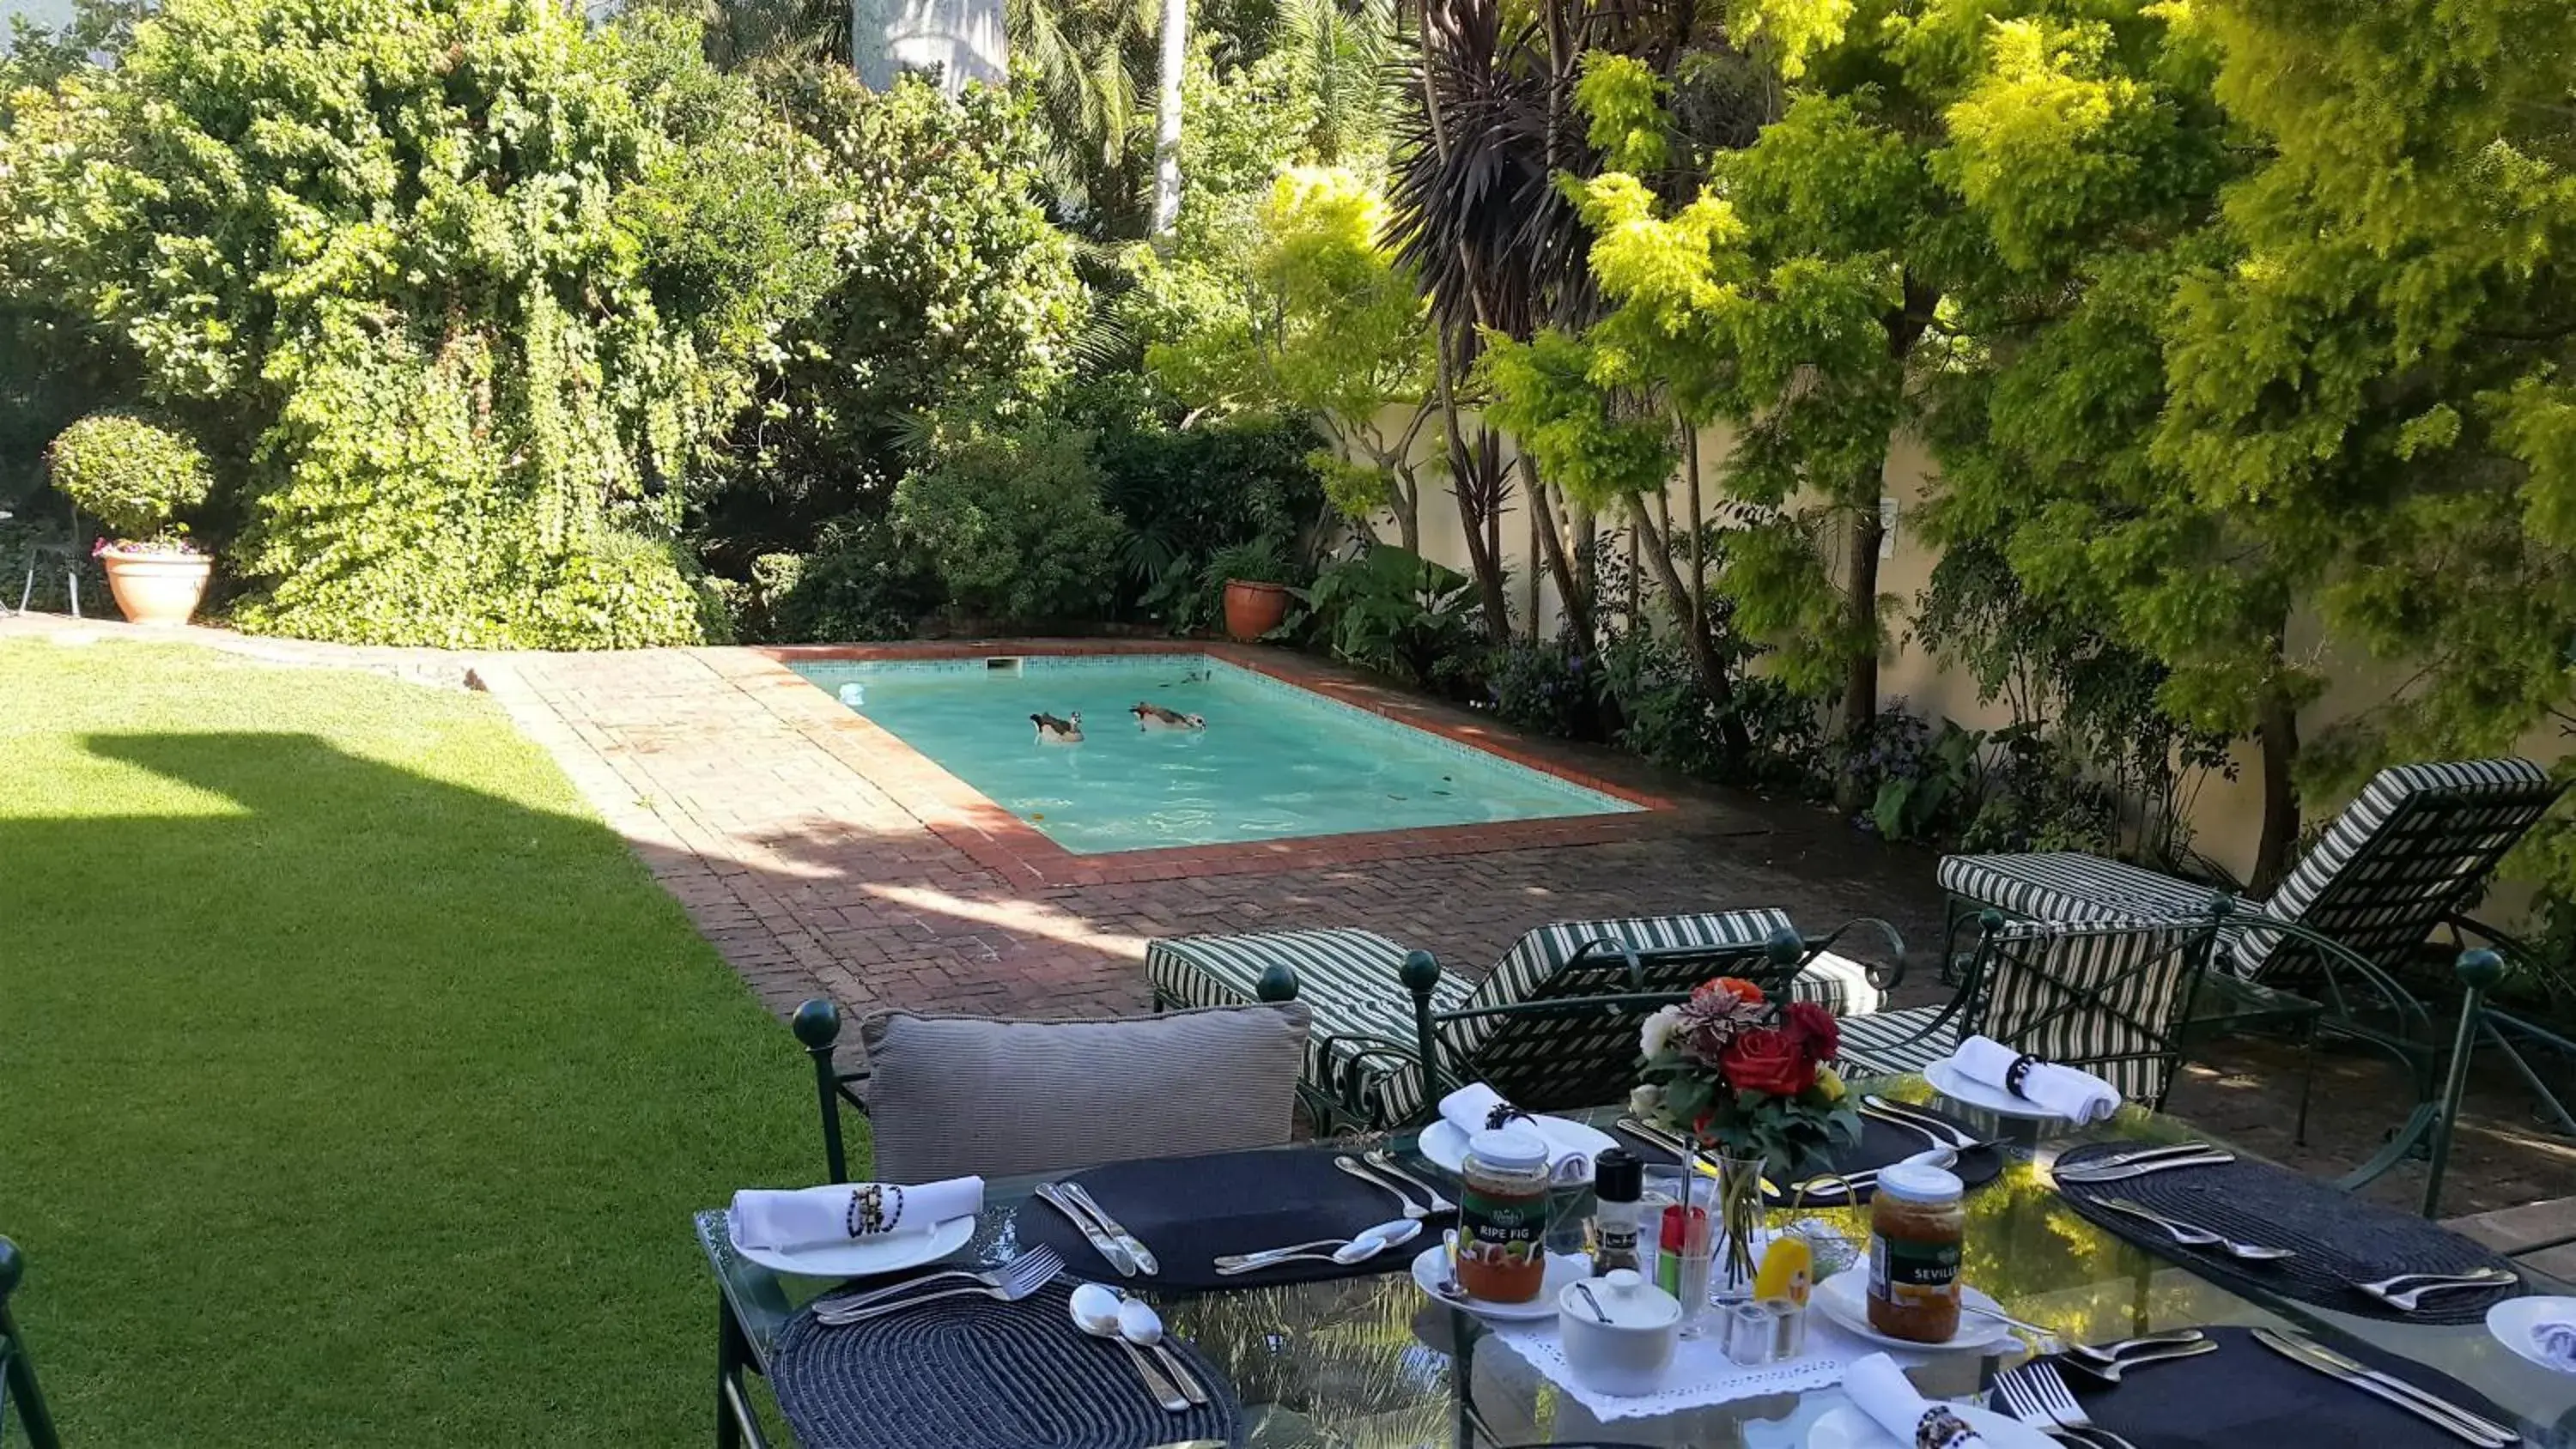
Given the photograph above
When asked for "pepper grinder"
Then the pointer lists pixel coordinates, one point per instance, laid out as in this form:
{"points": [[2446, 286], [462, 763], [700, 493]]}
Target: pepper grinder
{"points": [[1618, 1184]]}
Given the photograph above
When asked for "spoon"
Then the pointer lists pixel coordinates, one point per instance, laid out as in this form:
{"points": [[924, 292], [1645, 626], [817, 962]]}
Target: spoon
{"points": [[1366, 1244], [1095, 1312], [1448, 1286], [1143, 1327]]}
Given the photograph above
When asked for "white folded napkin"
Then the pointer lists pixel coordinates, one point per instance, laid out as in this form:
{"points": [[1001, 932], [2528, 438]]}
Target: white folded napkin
{"points": [[2556, 1340], [2078, 1096], [811, 1217], [1470, 1109], [1880, 1389]]}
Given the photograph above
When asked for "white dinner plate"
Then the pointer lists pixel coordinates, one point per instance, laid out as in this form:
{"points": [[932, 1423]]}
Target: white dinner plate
{"points": [[1844, 1298], [861, 1257], [1562, 1268], [1444, 1144], [2512, 1321], [1958, 1086], [1844, 1426]]}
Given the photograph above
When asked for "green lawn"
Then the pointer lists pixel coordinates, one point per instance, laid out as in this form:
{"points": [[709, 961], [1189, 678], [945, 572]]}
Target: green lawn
{"points": [[355, 1083]]}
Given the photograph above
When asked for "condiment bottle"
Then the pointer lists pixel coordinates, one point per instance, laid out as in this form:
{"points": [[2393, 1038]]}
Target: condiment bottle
{"points": [[1502, 1216], [1618, 1182], [1918, 1224]]}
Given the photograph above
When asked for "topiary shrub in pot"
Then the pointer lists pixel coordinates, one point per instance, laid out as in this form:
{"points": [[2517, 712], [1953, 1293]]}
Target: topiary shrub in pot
{"points": [[136, 476]]}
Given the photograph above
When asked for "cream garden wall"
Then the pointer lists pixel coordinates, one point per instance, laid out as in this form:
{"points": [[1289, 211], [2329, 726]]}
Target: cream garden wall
{"points": [[2226, 816]]}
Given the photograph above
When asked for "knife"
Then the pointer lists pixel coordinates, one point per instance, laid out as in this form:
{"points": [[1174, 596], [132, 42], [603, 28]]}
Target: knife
{"points": [[1663, 1139], [2308, 1353], [2084, 1173], [2147, 1154], [1136, 1249], [1106, 1246]]}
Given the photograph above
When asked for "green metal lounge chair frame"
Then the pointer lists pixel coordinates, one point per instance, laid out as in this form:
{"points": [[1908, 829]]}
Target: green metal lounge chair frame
{"points": [[2429, 1131], [2407, 857], [1569, 1040], [2110, 997], [17, 1371]]}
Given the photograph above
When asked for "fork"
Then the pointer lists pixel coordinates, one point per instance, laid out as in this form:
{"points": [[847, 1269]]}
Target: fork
{"points": [[1034, 1259], [2193, 1235], [2049, 1388], [1015, 1280], [2024, 1408], [2406, 1300], [1384, 1162]]}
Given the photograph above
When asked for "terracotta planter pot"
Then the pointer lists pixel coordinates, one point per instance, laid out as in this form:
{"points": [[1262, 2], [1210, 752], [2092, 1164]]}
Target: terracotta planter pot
{"points": [[156, 588], [1252, 610]]}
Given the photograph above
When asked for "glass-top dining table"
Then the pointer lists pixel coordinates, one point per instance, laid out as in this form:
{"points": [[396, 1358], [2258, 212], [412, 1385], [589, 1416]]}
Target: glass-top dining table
{"points": [[1375, 1363]]}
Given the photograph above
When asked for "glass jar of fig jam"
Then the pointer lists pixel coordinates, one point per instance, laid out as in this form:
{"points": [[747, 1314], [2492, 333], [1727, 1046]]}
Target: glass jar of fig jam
{"points": [[1502, 1216], [1918, 1225]]}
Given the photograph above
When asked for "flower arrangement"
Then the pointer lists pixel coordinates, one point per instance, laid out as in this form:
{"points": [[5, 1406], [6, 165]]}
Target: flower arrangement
{"points": [[1732, 1070]]}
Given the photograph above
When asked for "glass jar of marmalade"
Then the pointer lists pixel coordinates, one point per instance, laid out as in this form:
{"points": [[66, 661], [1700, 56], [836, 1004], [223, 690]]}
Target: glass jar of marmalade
{"points": [[1918, 1225], [1502, 1216]]}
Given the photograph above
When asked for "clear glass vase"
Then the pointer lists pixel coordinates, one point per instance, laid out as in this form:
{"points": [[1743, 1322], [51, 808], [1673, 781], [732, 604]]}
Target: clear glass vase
{"points": [[1735, 1209]]}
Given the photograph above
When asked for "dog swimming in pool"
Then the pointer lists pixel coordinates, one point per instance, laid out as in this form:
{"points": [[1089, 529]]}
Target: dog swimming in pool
{"points": [[1053, 731], [1155, 717]]}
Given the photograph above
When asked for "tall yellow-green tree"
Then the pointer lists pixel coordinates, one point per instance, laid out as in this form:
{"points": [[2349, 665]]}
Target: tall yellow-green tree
{"points": [[2377, 363]]}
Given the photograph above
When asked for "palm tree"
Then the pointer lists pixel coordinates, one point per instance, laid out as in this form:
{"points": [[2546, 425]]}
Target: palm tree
{"points": [[1167, 116], [1500, 248], [1082, 60]]}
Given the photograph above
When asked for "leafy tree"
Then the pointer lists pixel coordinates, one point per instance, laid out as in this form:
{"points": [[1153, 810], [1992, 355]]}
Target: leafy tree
{"points": [[1013, 523], [455, 289], [2371, 378], [950, 284], [1331, 329]]}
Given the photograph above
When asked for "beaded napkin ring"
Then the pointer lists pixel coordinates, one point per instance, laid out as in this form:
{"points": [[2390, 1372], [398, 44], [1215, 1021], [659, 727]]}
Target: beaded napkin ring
{"points": [[2018, 1073], [1502, 1113], [1942, 1429], [869, 1212]]}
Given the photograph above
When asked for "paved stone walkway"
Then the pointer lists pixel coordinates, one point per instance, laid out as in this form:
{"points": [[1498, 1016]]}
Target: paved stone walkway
{"points": [[762, 805]]}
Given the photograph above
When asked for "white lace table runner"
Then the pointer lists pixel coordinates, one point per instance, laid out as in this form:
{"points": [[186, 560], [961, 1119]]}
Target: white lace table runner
{"points": [[1702, 1375]]}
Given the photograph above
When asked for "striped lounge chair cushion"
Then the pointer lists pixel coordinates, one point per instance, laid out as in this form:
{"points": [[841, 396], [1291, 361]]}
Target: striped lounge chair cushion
{"points": [[1346, 978], [1561, 1061], [2413, 848], [2062, 885], [1891, 1043]]}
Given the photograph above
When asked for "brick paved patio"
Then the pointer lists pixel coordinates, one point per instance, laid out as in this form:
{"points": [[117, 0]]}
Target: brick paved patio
{"points": [[812, 849]]}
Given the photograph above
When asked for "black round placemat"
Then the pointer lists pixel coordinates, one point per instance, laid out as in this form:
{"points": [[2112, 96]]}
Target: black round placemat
{"points": [[971, 1373], [1880, 1144], [2340, 1239], [2245, 1396], [1189, 1210]]}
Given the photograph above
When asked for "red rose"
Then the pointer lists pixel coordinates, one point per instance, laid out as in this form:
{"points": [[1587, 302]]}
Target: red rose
{"points": [[1815, 1025], [1768, 1059]]}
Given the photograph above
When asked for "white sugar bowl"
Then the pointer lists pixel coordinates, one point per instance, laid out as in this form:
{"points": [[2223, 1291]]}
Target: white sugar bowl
{"points": [[1624, 1347]]}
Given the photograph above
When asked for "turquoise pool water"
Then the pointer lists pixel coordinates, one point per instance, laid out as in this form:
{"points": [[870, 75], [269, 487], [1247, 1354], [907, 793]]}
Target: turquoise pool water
{"points": [[1274, 761]]}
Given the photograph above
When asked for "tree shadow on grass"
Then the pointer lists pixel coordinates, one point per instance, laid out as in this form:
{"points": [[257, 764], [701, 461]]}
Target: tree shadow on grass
{"points": [[407, 1083]]}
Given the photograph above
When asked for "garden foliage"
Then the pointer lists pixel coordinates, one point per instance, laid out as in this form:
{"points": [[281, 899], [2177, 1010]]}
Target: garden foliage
{"points": [[457, 287]]}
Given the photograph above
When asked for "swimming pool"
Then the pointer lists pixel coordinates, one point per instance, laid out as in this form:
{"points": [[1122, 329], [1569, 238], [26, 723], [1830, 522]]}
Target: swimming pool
{"points": [[1274, 762]]}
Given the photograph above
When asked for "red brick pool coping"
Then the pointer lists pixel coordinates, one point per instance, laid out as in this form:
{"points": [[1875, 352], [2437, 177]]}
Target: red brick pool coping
{"points": [[1000, 841]]}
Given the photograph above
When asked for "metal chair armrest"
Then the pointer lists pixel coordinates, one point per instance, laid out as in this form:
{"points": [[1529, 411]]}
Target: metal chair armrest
{"points": [[1895, 974]]}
